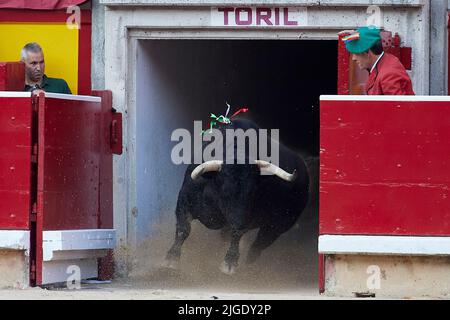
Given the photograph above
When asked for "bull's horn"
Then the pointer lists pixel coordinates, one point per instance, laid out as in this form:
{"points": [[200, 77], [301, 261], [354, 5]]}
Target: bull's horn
{"points": [[212, 165], [269, 168]]}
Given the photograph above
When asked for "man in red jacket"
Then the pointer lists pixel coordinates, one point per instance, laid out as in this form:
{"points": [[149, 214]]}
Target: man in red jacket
{"points": [[387, 75]]}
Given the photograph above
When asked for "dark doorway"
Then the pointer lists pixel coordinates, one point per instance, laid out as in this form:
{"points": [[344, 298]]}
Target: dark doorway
{"points": [[179, 81]]}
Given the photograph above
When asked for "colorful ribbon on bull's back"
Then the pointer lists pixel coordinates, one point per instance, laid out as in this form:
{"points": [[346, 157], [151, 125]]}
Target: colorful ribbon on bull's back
{"points": [[222, 119]]}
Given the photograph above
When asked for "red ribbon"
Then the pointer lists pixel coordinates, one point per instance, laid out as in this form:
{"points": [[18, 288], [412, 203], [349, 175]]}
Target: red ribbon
{"points": [[241, 110]]}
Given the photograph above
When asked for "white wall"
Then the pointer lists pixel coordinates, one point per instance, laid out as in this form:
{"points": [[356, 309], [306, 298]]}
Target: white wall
{"points": [[160, 110]]}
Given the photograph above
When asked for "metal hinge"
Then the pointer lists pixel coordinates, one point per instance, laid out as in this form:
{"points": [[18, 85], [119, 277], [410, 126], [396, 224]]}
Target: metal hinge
{"points": [[34, 153], [33, 215], [116, 133], [33, 271], [34, 102]]}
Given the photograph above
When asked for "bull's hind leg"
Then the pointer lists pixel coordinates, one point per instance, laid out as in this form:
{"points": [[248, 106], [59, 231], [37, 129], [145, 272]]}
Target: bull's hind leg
{"points": [[231, 258], [265, 237], [183, 230]]}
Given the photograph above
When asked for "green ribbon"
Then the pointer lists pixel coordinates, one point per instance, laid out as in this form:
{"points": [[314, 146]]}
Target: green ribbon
{"points": [[215, 120]]}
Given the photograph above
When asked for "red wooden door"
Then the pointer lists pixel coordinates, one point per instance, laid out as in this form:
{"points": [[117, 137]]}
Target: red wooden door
{"points": [[74, 185], [15, 160], [56, 182], [351, 81], [69, 162], [385, 168], [384, 174]]}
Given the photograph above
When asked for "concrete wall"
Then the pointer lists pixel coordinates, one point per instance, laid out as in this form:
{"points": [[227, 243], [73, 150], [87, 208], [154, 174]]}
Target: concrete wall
{"points": [[396, 277], [260, 2], [98, 46], [439, 47], [411, 22], [14, 269]]}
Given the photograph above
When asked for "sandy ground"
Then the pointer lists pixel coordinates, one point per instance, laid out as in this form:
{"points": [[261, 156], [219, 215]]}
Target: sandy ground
{"points": [[285, 271], [132, 291]]}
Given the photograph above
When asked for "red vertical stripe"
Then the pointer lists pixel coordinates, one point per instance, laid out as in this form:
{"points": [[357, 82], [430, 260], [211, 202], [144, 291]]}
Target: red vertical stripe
{"points": [[343, 88], [40, 187], [84, 53], [343, 84], [321, 273], [105, 201]]}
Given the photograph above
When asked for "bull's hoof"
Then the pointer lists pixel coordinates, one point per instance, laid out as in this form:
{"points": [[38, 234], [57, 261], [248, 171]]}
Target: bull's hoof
{"points": [[227, 268], [171, 264]]}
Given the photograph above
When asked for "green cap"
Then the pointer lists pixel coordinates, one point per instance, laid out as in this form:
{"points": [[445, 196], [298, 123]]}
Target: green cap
{"points": [[368, 37]]}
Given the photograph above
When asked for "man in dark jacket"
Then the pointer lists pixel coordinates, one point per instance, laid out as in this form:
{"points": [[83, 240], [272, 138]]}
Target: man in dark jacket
{"points": [[35, 78]]}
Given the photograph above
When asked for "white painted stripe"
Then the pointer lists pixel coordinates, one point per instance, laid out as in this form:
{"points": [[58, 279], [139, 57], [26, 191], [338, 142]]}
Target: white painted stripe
{"points": [[73, 97], [15, 239], [61, 235], [385, 98], [385, 245], [15, 94], [76, 240], [290, 3], [19, 94]]}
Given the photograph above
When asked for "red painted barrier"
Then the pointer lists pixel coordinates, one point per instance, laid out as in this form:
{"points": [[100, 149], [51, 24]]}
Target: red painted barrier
{"points": [[15, 162], [69, 153], [385, 167], [56, 176]]}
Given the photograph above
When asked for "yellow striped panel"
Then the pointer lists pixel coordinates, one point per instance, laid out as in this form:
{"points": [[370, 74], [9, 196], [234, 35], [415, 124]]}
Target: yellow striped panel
{"points": [[60, 45]]}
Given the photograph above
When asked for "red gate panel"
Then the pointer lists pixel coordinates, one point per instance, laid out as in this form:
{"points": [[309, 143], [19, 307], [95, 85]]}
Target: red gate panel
{"points": [[69, 159], [56, 181], [385, 166], [68, 170], [15, 160]]}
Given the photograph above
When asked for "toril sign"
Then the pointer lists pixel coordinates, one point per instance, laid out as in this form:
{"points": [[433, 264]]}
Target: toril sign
{"points": [[259, 16]]}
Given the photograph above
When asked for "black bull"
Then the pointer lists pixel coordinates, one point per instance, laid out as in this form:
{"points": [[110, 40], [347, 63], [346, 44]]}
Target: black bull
{"points": [[240, 198]]}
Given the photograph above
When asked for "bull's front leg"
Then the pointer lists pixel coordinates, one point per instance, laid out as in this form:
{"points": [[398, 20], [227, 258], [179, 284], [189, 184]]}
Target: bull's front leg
{"points": [[183, 230], [230, 262]]}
